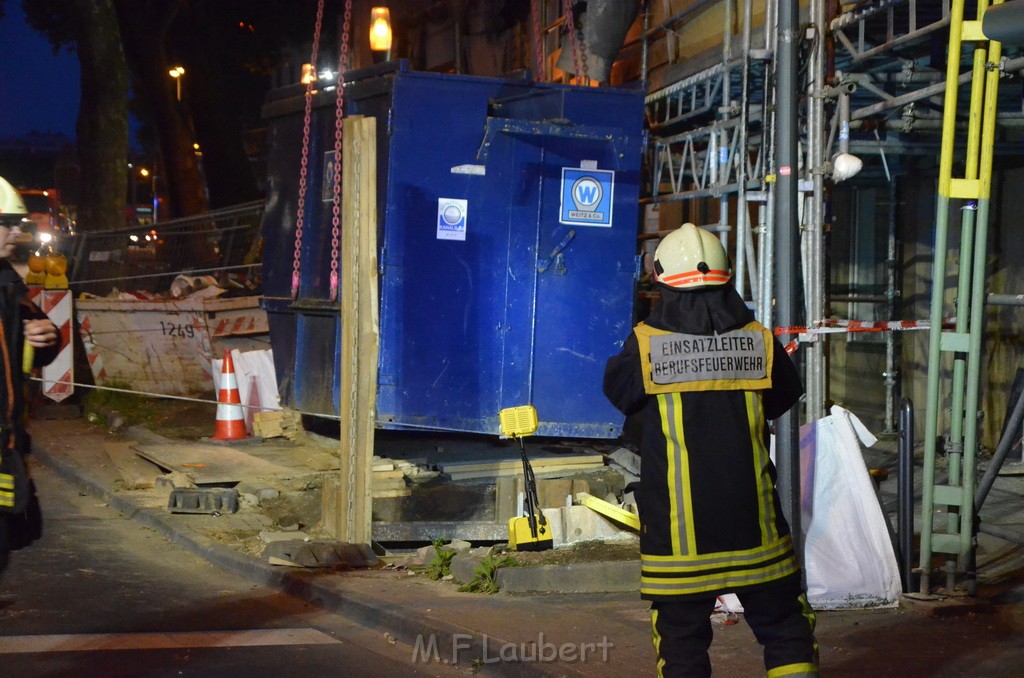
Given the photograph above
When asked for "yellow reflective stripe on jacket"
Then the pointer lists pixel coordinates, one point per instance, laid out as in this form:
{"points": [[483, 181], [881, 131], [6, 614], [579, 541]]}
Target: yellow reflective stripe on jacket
{"points": [[801, 669], [718, 560], [684, 539], [657, 643], [644, 332], [687, 574], [6, 489], [765, 486]]}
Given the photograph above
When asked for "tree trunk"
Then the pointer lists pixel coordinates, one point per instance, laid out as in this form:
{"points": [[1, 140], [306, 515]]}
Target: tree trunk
{"points": [[144, 27], [102, 117], [229, 177]]}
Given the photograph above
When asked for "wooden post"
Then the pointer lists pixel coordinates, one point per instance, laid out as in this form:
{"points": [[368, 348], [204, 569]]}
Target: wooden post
{"points": [[347, 501]]}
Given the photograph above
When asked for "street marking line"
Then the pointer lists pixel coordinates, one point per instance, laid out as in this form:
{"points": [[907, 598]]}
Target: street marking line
{"points": [[105, 642]]}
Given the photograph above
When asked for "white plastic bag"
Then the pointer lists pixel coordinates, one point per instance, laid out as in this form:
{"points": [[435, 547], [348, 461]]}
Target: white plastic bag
{"points": [[848, 553]]}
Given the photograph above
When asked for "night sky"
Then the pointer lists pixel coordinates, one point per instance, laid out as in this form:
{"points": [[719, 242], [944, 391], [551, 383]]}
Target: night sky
{"points": [[38, 91]]}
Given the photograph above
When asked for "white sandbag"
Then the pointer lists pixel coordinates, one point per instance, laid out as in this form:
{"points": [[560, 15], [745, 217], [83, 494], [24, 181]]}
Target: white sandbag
{"points": [[848, 554]]}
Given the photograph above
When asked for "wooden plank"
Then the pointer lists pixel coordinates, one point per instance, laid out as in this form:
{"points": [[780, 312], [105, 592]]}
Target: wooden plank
{"points": [[537, 463], [389, 485], [210, 464], [511, 472], [136, 473], [388, 494], [359, 336]]}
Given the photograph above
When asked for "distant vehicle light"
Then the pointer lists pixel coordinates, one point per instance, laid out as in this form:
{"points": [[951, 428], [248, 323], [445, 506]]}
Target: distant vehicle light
{"points": [[133, 238]]}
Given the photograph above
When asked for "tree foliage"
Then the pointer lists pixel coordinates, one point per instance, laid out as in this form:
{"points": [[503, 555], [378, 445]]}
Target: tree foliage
{"points": [[91, 29], [228, 49]]}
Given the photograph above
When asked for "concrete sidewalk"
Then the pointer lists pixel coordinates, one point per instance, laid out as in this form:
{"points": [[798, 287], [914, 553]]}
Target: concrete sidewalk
{"points": [[550, 634]]}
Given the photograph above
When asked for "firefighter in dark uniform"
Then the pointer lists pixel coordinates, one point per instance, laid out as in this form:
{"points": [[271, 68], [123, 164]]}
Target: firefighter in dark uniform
{"points": [[22, 325], [706, 378]]}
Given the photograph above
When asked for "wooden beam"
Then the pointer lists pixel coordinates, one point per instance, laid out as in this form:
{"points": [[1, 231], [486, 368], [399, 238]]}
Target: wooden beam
{"points": [[348, 510]]}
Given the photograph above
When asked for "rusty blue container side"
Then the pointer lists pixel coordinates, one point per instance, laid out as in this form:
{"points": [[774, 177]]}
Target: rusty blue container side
{"points": [[505, 307]]}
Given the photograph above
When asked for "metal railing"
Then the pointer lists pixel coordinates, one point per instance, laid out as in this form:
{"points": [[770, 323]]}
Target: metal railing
{"points": [[147, 258]]}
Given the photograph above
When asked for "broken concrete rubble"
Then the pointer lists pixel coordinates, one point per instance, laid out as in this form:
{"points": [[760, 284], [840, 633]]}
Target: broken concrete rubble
{"points": [[319, 553]]}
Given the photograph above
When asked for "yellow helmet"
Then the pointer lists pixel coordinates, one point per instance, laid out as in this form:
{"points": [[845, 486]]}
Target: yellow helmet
{"points": [[12, 207], [690, 257]]}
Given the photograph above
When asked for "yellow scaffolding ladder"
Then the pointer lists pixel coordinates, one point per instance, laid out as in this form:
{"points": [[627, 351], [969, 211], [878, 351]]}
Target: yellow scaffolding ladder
{"points": [[954, 535]]}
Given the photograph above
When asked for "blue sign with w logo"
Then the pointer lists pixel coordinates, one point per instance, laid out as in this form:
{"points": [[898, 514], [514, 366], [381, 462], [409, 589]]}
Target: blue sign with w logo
{"points": [[586, 197]]}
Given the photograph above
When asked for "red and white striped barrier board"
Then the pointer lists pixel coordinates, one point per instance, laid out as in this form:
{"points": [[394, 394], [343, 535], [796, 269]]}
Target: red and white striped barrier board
{"points": [[59, 376]]}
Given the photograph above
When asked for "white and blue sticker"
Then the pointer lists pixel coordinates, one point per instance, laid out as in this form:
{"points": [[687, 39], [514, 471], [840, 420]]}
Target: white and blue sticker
{"points": [[586, 197], [451, 219]]}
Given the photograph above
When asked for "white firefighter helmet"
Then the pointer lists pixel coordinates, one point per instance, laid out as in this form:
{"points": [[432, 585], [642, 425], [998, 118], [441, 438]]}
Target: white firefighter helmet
{"points": [[690, 257], [12, 207]]}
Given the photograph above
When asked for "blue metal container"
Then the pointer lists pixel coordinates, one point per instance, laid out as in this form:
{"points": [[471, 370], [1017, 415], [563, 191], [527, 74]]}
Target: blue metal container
{"points": [[507, 214]]}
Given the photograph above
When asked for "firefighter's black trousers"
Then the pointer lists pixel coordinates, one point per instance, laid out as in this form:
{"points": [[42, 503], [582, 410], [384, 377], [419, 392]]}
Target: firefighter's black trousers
{"points": [[777, 613]]}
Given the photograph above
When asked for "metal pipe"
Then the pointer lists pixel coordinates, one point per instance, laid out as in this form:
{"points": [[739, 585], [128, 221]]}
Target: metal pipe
{"points": [[999, 456], [744, 234], [723, 113], [787, 427], [891, 370], [844, 121], [1004, 534], [859, 298], [1005, 299], [816, 378], [905, 494], [932, 407], [645, 47]]}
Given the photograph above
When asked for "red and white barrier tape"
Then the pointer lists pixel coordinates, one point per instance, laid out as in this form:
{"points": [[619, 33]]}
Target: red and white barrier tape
{"points": [[831, 326]]}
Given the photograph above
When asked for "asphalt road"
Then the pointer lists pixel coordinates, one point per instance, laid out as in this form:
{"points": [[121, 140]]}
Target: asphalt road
{"points": [[100, 595]]}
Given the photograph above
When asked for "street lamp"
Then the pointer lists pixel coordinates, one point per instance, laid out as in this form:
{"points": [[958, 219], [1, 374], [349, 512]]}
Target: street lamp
{"points": [[143, 172], [176, 73]]}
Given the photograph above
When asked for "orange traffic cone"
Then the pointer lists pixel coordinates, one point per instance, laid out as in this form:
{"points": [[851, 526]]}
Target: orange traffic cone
{"points": [[230, 421]]}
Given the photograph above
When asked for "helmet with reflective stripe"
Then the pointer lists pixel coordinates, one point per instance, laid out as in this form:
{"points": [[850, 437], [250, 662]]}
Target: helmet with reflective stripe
{"points": [[12, 207], [690, 257]]}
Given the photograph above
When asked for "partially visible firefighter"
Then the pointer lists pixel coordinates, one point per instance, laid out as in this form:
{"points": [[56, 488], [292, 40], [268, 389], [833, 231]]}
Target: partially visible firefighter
{"points": [[28, 339], [706, 378]]}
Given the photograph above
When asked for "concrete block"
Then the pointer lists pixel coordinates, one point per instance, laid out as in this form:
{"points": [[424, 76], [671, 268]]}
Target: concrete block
{"points": [[207, 500], [572, 524], [627, 477], [603, 577], [459, 545], [267, 493], [462, 567], [627, 459]]}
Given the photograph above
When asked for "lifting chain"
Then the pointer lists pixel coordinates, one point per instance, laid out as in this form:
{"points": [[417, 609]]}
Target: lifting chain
{"points": [[538, 41], [300, 214], [578, 48], [339, 116]]}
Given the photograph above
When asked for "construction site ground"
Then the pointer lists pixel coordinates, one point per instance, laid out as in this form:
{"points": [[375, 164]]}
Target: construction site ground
{"points": [[493, 633]]}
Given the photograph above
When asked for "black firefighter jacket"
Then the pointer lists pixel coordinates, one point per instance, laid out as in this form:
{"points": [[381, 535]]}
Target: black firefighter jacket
{"points": [[711, 520], [14, 308]]}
